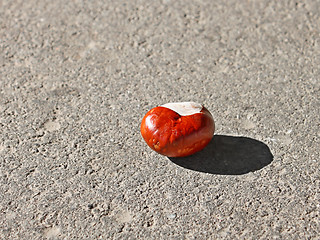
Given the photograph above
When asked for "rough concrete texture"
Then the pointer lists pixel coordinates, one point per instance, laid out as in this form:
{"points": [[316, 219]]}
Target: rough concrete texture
{"points": [[78, 76]]}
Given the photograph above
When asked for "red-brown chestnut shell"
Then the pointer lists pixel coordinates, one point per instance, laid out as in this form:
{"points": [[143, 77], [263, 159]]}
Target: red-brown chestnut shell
{"points": [[174, 135]]}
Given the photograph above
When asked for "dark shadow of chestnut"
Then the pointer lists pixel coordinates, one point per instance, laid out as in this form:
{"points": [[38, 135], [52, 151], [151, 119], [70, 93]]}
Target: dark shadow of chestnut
{"points": [[227, 155]]}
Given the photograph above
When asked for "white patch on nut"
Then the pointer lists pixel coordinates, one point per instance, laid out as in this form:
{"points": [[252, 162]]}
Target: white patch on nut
{"points": [[184, 108]]}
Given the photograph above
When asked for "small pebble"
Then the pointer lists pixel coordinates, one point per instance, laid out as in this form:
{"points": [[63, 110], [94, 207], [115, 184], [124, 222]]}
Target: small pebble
{"points": [[171, 216]]}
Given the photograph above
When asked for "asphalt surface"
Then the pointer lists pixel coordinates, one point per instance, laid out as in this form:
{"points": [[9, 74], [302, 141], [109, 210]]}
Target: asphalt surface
{"points": [[77, 77]]}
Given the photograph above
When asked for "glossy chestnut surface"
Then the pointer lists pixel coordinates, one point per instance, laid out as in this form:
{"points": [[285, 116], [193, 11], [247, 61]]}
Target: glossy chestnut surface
{"points": [[174, 135]]}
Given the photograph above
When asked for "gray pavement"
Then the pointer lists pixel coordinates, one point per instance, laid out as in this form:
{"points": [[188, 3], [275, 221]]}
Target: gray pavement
{"points": [[76, 78]]}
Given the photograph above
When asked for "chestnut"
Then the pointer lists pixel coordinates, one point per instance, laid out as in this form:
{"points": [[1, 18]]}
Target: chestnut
{"points": [[178, 129]]}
